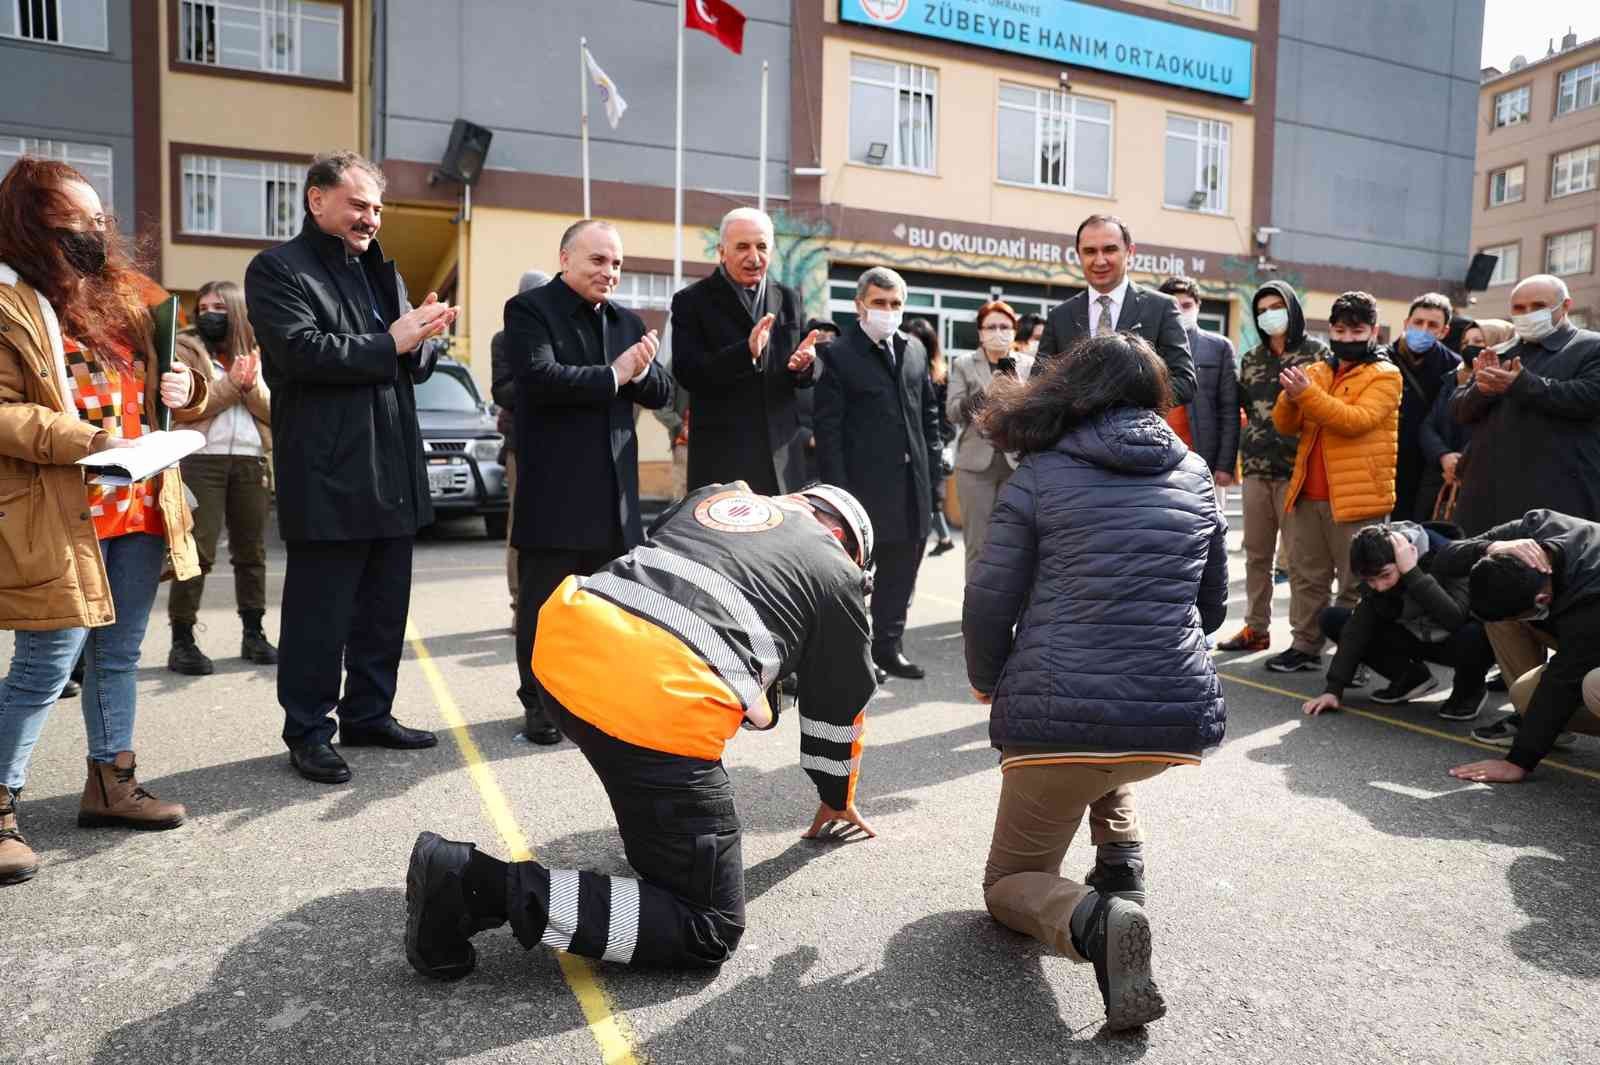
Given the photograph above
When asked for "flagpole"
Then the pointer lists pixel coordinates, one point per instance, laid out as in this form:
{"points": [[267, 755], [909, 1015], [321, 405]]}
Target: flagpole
{"points": [[677, 179], [761, 179], [583, 120]]}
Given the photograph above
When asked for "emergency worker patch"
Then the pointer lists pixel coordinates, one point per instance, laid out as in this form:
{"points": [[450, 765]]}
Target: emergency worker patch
{"points": [[738, 512]]}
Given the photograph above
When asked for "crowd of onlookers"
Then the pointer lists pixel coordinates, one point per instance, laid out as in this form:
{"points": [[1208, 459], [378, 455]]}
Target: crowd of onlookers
{"points": [[1431, 494]]}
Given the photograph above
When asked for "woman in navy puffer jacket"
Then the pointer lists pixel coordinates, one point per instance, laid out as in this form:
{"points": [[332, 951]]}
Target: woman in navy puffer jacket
{"points": [[1085, 622]]}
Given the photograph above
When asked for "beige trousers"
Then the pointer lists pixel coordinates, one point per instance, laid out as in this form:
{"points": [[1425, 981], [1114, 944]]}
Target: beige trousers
{"points": [[1264, 526], [1320, 550], [1520, 648], [978, 493]]}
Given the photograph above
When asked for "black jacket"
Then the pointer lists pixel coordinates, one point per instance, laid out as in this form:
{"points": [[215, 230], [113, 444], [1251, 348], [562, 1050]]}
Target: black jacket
{"points": [[1421, 382], [503, 389], [577, 456], [745, 425], [1146, 313], [1440, 433], [346, 449], [1214, 408], [878, 431], [1538, 445]]}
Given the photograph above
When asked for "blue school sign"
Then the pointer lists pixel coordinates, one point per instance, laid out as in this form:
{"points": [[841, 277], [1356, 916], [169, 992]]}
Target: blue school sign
{"points": [[1076, 34]]}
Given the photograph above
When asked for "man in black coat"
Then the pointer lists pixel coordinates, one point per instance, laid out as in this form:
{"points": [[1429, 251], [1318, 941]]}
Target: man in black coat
{"points": [[877, 431], [734, 349], [341, 350], [1424, 360], [503, 387], [1105, 244], [1535, 413], [582, 362]]}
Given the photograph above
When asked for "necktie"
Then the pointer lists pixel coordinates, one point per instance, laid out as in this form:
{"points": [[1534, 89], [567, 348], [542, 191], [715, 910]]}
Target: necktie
{"points": [[1105, 325], [366, 286]]}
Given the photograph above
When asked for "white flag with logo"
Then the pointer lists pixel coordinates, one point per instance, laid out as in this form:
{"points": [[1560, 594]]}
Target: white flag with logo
{"points": [[615, 104]]}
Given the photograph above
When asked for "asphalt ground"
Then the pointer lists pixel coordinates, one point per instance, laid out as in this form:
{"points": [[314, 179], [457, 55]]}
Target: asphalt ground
{"points": [[1321, 890]]}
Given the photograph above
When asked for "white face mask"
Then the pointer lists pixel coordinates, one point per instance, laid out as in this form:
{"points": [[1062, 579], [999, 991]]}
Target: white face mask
{"points": [[1535, 325], [881, 325], [1190, 319], [998, 341], [1031, 348], [1275, 322]]}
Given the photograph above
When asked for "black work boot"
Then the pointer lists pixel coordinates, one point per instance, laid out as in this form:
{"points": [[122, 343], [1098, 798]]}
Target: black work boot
{"points": [[440, 922], [1123, 879], [186, 656], [255, 647], [1116, 939]]}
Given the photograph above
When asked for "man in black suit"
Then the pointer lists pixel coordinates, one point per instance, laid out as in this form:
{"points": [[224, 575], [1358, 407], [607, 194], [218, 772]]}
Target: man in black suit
{"points": [[582, 363], [1114, 304], [877, 431], [341, 349], [734, 349]]}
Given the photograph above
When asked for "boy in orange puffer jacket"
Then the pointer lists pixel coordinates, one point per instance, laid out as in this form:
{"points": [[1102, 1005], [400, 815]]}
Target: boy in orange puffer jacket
{"points": [[1346, 411]]}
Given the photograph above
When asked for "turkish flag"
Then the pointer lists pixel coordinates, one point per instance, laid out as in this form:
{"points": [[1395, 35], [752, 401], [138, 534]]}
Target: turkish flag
{"points": [[720, 19]]}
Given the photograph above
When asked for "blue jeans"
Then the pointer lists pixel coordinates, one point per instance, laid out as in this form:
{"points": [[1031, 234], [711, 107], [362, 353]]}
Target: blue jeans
{"points": [[43, 661]]}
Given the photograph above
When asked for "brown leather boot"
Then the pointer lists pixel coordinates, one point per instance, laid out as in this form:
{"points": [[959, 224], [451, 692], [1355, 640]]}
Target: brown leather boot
{"points": [[17, 860], [112, 798]]}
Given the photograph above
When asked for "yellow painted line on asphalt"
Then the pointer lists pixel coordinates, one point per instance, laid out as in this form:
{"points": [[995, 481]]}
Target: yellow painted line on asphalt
{"points": [[1409, 726], [609, 1029]]}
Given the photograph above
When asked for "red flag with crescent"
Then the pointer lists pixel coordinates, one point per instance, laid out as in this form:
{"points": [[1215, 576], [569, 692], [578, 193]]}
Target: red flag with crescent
{"points": [[718, 18]]}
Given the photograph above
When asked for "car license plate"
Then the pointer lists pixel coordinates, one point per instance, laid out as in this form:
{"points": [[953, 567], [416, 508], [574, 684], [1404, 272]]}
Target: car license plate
{"points": [[440, 478]]}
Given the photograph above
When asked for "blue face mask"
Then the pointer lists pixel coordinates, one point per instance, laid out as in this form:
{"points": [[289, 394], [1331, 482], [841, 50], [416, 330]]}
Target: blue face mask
{"points": [[1418, 340]]}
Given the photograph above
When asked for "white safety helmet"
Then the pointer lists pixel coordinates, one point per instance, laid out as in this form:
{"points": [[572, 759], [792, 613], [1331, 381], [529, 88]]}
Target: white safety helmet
{"points": [[843, 505]]}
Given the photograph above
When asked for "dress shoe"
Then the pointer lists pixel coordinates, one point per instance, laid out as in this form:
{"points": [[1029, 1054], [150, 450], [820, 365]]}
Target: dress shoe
{"points": [[69, 689], [390, 734], [879, 674], [439, 923], [941, 547], [898, 665], [537, 726], [319, 762]]}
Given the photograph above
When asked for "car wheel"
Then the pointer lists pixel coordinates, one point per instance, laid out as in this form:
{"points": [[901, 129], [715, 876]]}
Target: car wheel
{"points": [[494, 526]]}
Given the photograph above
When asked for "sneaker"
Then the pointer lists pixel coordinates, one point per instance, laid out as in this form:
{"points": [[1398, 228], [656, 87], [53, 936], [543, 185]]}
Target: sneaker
{"points": [[1293, 661], [1280, 576], [1117, 942], [1463, 708], [1362, 678], [1246, 639], [1125, 880], [1496, 681], [1421, 681], [1503, 733]]}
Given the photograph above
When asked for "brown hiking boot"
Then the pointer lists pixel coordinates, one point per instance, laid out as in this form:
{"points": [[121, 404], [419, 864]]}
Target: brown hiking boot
{"points": [[17, 860], [1246, 639], [112, 798]]}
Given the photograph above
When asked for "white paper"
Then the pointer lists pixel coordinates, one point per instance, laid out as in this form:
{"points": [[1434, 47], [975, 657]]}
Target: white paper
{"points": [[149, 455]]}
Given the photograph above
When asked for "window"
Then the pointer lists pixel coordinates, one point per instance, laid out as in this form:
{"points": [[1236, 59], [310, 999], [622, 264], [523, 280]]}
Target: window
{"points": [[1569, 253], [1216, 7], [245, 198], [445, 391], [1054, 140], [75, 23], [1512, 106], [1578, 88], [891, 114], [1506, 265], [93, 161], [1197, 164], [1575, 171], [1505, 186], [299, 38], [646, 292]]}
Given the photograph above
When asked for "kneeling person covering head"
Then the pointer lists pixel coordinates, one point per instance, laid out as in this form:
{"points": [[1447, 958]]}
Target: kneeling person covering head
{"points": [[1405, 619], [650, 666]]}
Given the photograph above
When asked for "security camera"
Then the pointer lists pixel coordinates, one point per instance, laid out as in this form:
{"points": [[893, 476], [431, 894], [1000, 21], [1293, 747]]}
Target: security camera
{"points": [[1264, 234]]}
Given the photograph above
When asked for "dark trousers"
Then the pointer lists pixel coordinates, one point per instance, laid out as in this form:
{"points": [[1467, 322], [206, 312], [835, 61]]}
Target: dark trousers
{"points": [[229, 490], [1395, 651], [893, 584], [540, 572], [681, 835], [344, 603]]}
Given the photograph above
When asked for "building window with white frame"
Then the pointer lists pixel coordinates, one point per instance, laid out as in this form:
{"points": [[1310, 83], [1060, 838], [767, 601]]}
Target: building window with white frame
{"points": [[1197, 164], [1505, 185], [1216, 7], [251, 199], [1569, 253], [294, 38], [892, 114], [74, 23], [93, 161], [1578, 88], [1054, 140], [1506, 263], [645, 292], [1575, 171], [1512, 106]]}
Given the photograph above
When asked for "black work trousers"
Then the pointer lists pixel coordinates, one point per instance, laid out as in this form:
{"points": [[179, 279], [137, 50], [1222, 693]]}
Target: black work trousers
{"points": [[681, 835], [893, 583], [344, 606], [1395, 651], [540, 572]]}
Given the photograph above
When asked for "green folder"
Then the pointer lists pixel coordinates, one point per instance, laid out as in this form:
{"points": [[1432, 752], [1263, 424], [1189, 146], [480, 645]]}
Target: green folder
{"points": [[166, 318]]}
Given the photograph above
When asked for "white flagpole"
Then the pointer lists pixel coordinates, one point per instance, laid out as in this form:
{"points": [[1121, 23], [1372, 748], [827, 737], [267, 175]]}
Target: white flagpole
{"points": [[583, 120], [677, 180], [761, 179]]}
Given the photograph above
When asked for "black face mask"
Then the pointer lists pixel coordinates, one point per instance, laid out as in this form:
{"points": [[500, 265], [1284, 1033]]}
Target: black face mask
{"points": [[1351, 350], [213, 325], [1470, 353], [85, 251]]}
